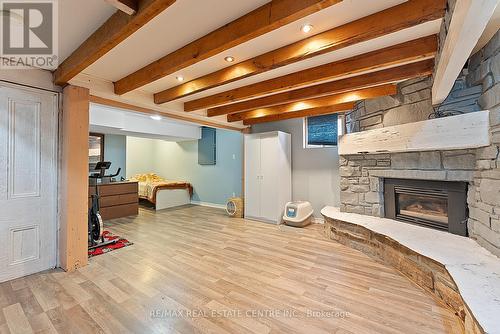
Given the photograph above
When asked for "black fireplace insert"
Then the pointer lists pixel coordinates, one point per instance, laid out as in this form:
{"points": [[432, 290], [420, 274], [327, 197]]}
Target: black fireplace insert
{"points": [[434, 204]]}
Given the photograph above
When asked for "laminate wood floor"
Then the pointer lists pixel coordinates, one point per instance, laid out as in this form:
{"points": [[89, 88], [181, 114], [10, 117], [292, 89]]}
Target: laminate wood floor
{"points": [[194, 270]]}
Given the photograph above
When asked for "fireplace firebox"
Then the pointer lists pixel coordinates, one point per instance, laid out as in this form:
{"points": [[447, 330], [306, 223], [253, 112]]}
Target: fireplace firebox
{"points": [[434, 204]]}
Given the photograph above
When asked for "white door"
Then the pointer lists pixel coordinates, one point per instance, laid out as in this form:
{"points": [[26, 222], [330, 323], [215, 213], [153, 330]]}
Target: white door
{"points": [[252, 176], [28, 181], [269, 177]]}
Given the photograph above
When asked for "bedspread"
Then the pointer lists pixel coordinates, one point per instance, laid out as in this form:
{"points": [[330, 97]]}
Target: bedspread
{"points": [[150, 184]]}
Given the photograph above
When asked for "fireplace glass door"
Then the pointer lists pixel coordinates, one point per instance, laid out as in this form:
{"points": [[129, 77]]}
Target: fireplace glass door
{"points": [[426, 208], [435, 204]]}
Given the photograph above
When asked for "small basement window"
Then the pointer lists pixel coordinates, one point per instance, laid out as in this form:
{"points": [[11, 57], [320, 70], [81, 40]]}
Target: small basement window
{"points": [[322, 131]]}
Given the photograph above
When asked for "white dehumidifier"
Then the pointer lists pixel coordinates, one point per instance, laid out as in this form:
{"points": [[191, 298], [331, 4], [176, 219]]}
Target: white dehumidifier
{"points": [[298, 214]]}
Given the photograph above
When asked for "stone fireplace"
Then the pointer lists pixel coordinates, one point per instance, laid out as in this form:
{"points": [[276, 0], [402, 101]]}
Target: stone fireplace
{"points": [[369, 180], [474, 167], [366, 178]]}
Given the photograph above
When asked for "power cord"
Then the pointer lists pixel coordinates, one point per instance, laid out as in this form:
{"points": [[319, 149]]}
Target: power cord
{"points": [[439, 113]]}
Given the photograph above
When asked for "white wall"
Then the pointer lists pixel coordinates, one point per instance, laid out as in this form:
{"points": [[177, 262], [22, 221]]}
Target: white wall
{"points": [[35, 78], [112, 120], [139, 156], [178, 161], [315, 171]]}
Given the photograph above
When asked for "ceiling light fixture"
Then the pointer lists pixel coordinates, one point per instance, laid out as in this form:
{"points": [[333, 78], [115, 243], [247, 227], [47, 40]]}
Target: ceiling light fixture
{"points": [[156, 117], [179, 78], [229, 59], [306, 28]]}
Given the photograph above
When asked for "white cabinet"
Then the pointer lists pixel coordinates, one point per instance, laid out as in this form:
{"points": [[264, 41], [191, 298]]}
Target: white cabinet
{"points": [[268, 175]]}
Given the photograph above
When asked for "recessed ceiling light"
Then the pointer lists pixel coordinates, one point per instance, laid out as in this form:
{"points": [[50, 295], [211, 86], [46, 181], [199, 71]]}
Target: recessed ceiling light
{"points": [[156, 117], [306, 28], [179, 78], [229, 59]]}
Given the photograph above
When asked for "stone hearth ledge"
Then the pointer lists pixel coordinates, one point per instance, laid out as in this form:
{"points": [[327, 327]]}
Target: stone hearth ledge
{"points": [[475, 271]]}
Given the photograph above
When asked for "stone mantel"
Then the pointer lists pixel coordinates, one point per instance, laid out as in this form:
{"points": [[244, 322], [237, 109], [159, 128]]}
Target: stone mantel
{"points": [[430, 175], [448, 133]]}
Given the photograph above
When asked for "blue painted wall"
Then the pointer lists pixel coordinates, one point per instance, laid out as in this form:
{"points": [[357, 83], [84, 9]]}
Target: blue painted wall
{"points": [[179, 161], [115, 150]]}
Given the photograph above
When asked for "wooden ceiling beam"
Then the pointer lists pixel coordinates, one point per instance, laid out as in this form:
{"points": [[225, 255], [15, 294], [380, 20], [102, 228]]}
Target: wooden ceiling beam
{"points": [[116, 29], [376, 25], [337, 108], [321, 102], [398, 54], [127, 6], [387, 76], [264, 19]]}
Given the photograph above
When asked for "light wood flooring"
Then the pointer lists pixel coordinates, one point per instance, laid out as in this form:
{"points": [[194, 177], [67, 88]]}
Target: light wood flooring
{"points": [[194, 270]]}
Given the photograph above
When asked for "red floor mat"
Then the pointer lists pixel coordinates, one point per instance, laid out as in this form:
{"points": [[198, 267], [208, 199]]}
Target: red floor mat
{"points": [[109, 248]]}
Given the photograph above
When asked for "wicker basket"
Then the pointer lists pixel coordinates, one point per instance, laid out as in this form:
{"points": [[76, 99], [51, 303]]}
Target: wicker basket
{"points": [[234, 207]]}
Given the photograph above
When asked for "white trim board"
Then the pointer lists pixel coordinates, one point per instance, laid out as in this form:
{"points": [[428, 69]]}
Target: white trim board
{"points": [[468, 21], [318, 220], [448, 133], [210, 205]]}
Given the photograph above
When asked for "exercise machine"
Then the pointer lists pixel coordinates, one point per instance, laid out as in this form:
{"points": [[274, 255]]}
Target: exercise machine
{"points": [[102, 167], [95, 222]]}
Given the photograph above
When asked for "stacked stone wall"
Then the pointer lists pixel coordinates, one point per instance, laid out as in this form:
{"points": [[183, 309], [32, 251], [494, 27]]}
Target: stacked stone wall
{"points": [[484, 193], [478, 88]]}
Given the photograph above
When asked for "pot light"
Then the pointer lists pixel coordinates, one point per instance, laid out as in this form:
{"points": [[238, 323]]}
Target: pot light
{"points": [[229, 59], [156, 117], [306, 28], [179, 78]]}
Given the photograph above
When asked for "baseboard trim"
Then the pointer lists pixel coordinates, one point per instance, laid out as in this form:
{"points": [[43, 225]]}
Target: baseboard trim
{"points": [[317, 220], [210, 205]]}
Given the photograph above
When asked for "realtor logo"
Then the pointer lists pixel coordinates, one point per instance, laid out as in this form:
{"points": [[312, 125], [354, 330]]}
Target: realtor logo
{"points": [[29, 34]]}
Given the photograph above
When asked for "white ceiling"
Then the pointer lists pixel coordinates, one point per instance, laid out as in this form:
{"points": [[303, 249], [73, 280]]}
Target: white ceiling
{"points": [[401, 36], [180, 24], [174, 28], [187, 20], [78, 19]]}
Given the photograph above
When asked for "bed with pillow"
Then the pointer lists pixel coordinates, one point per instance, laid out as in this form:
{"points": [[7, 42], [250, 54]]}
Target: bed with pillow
{"points": [[163, 193]]}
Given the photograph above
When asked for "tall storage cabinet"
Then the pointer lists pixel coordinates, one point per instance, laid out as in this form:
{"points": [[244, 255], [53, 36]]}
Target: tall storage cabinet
{"points": [[268, 175]]}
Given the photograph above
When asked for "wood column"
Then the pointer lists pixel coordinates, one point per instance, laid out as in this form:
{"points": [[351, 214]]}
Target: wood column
{"points": [[74, 132]]}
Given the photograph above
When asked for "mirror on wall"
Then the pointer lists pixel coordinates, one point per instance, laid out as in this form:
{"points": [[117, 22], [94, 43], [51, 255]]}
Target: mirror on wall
{"points": [[96, 149]]}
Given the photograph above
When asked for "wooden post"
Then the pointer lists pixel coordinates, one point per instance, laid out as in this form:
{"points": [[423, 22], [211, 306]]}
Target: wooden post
{"points": [[73, 233]]}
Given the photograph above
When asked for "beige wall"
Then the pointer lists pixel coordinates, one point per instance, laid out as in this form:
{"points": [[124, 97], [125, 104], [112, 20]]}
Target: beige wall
{"points": [[213, 184], [140, 156]]}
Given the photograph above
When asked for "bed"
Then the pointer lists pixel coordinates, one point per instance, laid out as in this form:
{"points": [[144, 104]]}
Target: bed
{"points": [[163, 193]]}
